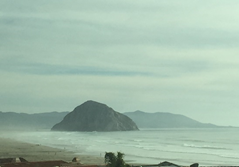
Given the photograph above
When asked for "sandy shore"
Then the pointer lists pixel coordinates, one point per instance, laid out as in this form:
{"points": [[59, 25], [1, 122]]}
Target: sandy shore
{"points": [[35, 152]]}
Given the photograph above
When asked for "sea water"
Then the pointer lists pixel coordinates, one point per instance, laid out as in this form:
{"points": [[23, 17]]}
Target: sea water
{"points": [[208, 147]]}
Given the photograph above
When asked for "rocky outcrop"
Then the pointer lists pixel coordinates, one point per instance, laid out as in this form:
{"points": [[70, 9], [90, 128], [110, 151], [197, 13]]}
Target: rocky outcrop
{"points": [[94, 116]]}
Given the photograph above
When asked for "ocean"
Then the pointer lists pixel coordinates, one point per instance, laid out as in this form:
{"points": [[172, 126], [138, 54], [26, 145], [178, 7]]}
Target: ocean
{"points": [[208, 147]]}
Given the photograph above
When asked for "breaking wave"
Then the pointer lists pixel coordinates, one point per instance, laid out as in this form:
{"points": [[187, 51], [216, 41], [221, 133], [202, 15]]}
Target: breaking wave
{"points": [[144, 146], [205, 146]]}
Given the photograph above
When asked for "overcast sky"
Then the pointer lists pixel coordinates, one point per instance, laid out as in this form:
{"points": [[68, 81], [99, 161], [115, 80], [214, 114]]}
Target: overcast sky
{"points": [[150, 55]]}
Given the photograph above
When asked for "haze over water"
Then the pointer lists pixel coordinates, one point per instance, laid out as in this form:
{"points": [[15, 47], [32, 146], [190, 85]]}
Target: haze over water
{"points": [[156, 56], [148, 146]]}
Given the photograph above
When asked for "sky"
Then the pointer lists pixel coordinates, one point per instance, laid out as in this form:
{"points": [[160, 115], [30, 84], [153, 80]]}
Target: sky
{"points": [[171, 56]]}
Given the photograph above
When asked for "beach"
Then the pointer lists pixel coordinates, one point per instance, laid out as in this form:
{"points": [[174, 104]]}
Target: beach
{"points": [[208, 147], [36, 152]]}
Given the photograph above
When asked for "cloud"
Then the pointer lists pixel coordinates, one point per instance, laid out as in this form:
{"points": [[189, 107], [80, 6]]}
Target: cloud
{"points": [[178, 57], [89, 24]]}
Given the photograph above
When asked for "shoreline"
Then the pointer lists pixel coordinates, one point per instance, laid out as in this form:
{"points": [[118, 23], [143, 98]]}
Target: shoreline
{"points": [[36, 152], [138, 148]]}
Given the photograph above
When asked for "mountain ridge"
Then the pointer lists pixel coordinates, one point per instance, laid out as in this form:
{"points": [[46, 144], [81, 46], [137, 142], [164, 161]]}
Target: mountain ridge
{"points": [[13, 120], [46, 120], [165, 120]]}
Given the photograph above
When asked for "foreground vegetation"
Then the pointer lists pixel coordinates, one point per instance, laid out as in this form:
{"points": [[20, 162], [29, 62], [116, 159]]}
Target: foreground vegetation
{"points": [[112, 160]]}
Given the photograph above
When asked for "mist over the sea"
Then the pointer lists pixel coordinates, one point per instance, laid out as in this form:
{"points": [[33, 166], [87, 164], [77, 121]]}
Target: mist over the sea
{"points": [[149, 146], [178, 57]]}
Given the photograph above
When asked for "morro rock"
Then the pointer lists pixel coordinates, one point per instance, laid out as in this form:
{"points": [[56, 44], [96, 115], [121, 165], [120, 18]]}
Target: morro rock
{"points": [[94, 116]]}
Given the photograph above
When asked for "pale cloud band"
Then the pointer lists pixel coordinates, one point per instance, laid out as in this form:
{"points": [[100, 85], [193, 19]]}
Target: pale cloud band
{"points": [[169, 56]]}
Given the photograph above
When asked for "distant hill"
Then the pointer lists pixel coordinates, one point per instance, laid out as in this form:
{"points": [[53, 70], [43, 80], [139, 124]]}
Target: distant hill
{"points": [[165, 120], [12, 120], [95, 116]]}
